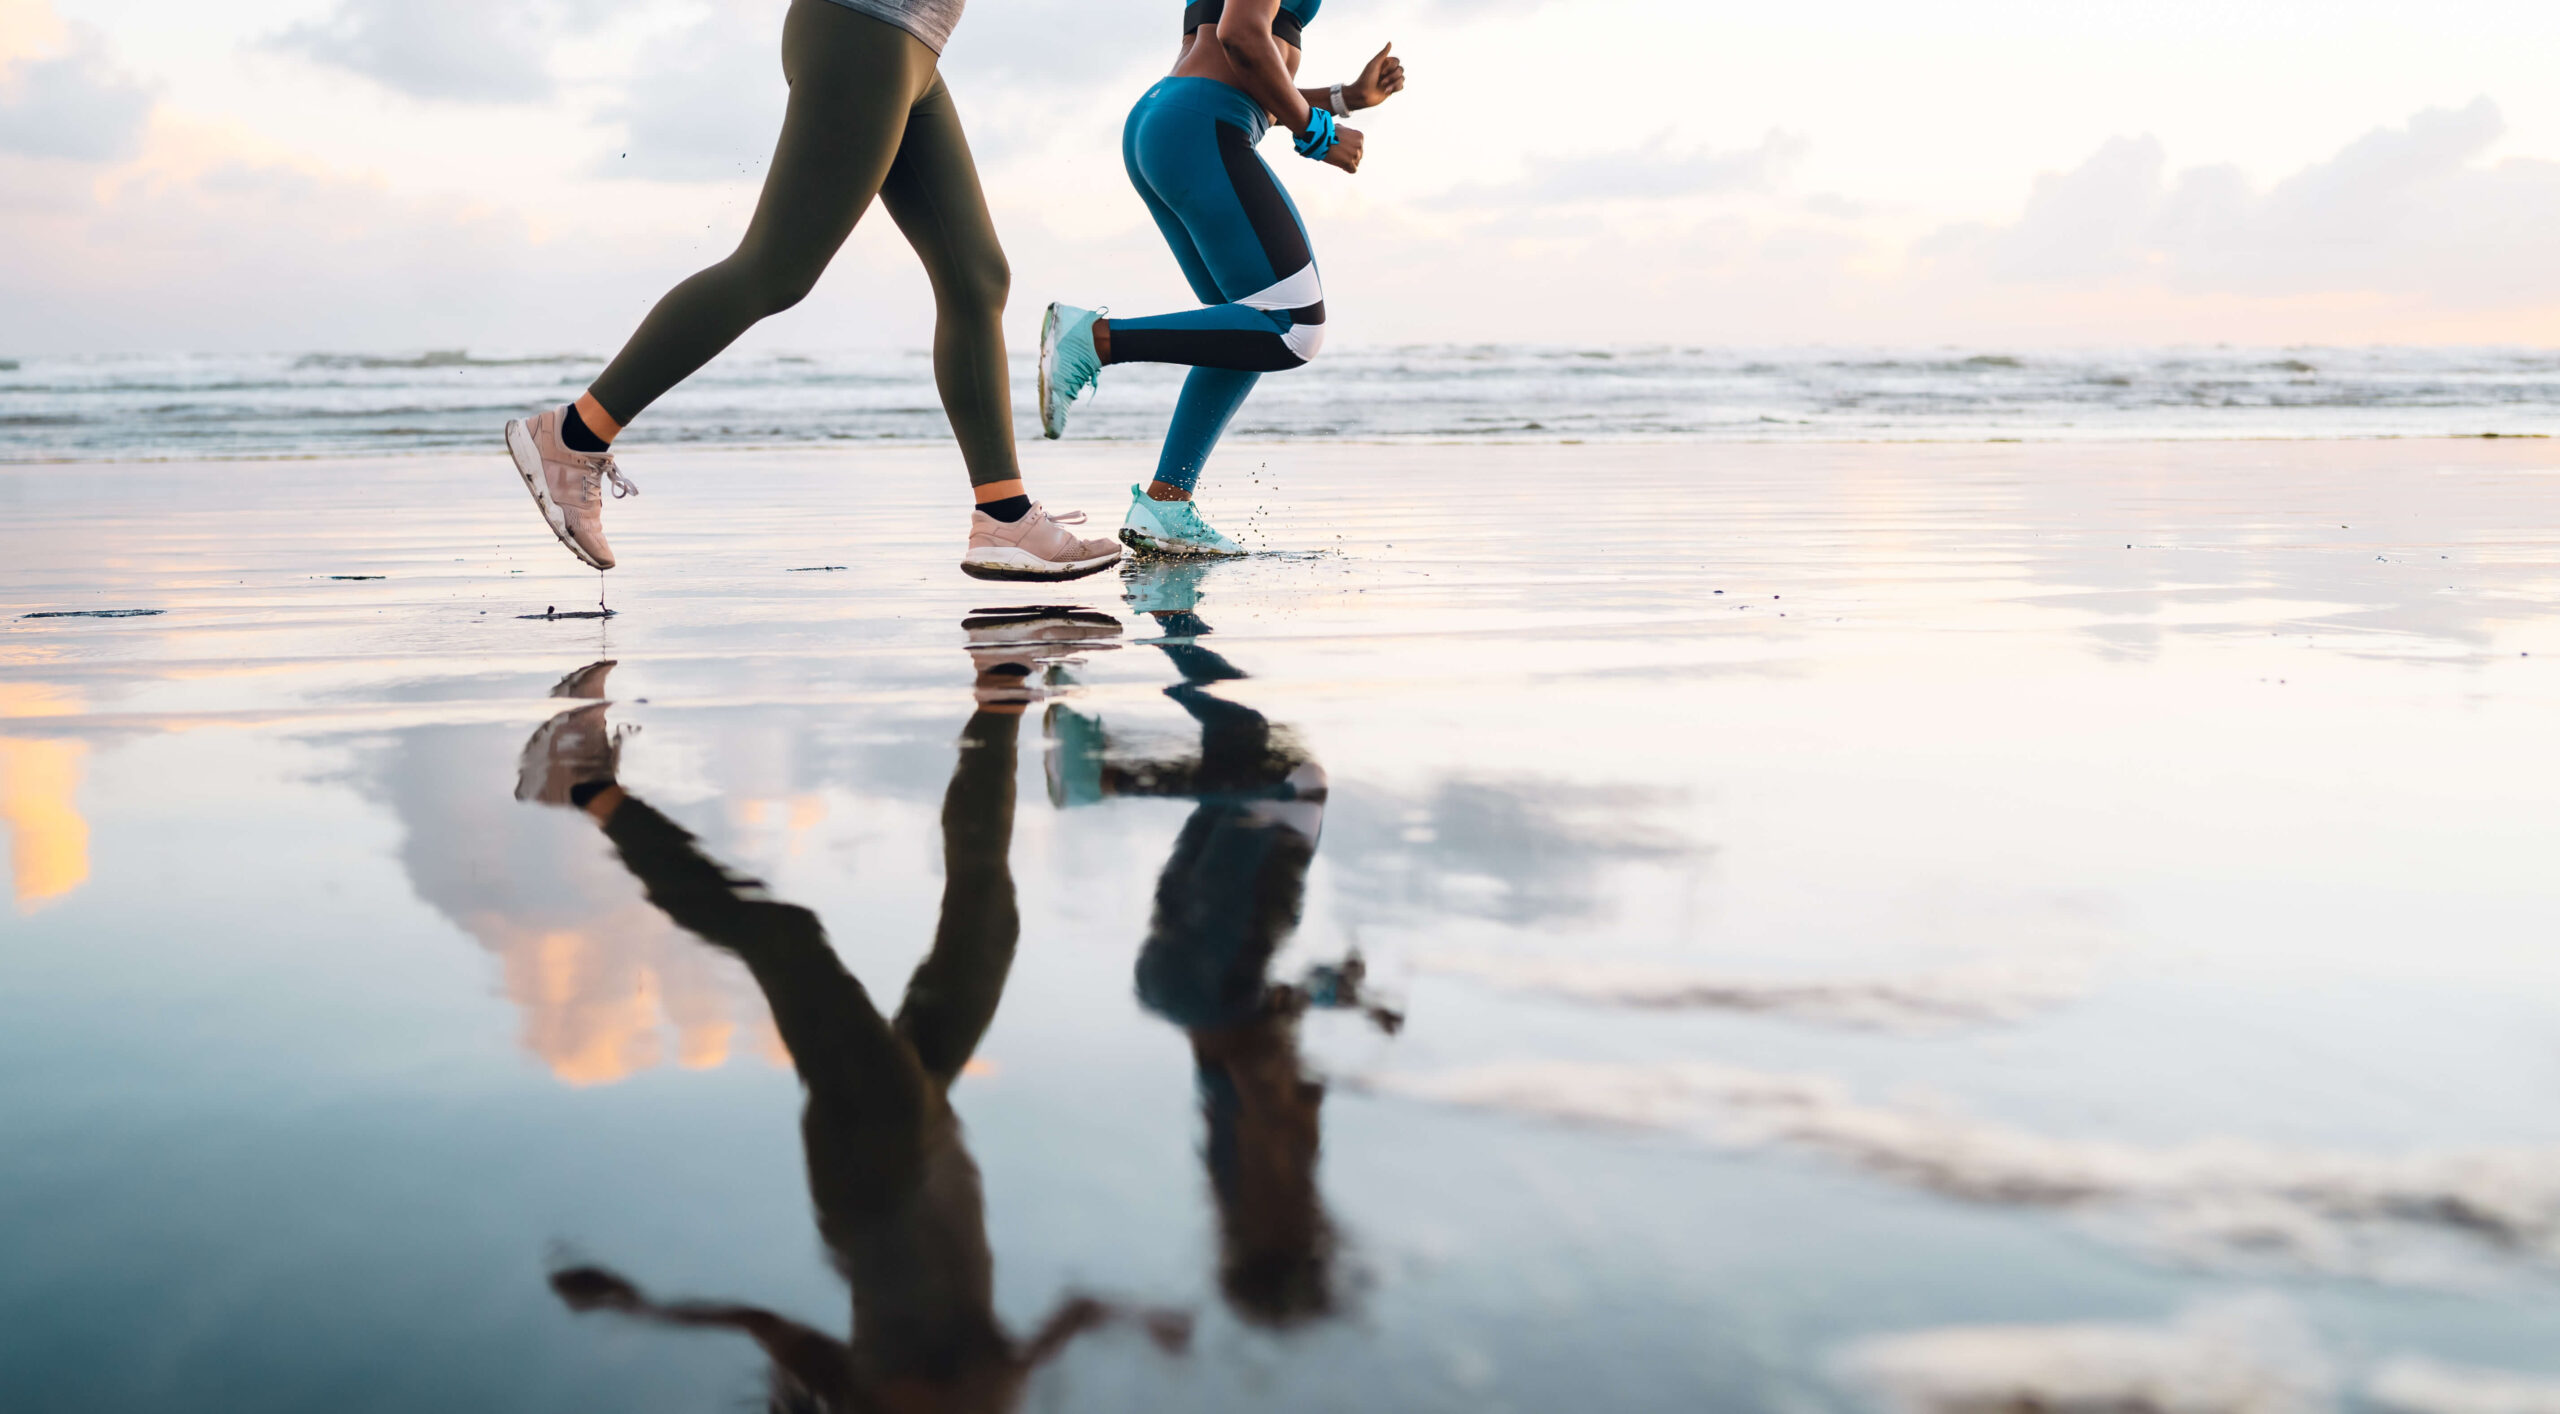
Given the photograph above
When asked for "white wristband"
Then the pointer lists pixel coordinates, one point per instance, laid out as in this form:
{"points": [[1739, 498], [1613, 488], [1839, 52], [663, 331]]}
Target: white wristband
{"points": [[1340, 108]]}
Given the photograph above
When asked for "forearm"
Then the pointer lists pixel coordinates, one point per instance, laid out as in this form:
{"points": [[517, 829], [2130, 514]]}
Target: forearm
{"points": [[1323, 98], [814, 1359], [692, 888]]}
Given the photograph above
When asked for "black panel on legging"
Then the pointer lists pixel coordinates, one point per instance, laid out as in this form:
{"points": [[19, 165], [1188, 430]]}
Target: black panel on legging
{"points": [[1245, 350], [1255, 342], [1265, 205]]}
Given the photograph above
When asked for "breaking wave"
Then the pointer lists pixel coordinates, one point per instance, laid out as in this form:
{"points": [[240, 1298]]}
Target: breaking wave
{"points": [[250, 405]]}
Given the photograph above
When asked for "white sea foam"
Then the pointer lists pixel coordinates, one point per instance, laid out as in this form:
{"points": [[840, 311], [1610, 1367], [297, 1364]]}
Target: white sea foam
{"points": [[55, 408], [1969, 994], [2249, 1355], [2418, 1385], [2440, 1217]]}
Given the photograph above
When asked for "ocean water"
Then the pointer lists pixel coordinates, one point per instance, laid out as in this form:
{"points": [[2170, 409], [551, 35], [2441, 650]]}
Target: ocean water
{"points": [[337, 404]]}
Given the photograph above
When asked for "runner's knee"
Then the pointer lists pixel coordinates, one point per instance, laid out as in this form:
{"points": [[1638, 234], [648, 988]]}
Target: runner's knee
{"points": [[1305, 341], [775, 282], [782, 293], [978, 288]]}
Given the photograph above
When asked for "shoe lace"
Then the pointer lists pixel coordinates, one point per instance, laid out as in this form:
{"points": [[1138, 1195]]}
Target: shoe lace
{"points": [[1188, 521], [1059, 517], [601, 469]]}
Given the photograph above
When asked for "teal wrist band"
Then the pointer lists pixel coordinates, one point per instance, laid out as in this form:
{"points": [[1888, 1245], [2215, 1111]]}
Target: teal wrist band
{"points": [[1320, 136]]}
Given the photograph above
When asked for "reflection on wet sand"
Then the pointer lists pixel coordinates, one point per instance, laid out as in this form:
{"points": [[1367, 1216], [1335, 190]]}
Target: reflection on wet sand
{"points": [[898, 1198], [599, 977], [2421, 1216], [39, 800], [1512, 848], [1227, 901], [2246, 1355], [1981, 890]]}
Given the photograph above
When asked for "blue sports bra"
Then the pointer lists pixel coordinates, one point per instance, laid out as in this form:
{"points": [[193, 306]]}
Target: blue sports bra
{"points": [[1290, 24]]}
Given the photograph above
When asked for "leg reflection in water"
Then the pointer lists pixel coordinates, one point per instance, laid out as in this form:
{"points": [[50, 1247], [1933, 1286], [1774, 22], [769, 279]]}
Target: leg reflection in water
{"points": [[1228, 899], [897, 1196]]}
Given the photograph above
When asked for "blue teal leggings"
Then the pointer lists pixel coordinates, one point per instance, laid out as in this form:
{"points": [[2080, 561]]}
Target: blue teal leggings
{"points": [[1189, 149]]}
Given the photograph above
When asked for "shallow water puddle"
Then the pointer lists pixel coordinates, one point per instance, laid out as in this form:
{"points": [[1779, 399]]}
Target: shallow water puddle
{"points": [[1458, 960]]}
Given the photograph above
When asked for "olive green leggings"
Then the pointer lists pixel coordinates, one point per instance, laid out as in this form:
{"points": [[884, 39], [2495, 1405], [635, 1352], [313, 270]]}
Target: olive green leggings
{"points": [[869, 114]]}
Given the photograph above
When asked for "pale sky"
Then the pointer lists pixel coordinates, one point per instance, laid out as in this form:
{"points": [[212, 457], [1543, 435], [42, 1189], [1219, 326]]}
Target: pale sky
{"points": [[531, 174]]}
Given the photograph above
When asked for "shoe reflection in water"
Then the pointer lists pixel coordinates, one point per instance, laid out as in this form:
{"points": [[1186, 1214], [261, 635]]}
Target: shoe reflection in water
{"points": [[1227, 901], [897, 1197]]}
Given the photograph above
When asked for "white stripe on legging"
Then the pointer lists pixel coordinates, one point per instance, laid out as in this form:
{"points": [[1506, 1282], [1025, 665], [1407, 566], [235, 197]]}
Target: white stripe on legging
{"points": [[1296, 292]]}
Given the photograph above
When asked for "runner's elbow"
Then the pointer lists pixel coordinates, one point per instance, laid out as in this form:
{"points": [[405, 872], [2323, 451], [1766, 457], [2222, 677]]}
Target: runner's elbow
{"points": [[1246, 48]]}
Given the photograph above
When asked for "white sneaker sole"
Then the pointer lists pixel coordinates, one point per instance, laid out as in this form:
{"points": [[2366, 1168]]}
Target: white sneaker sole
{"points": [[528, 460], [1139, 542], [1053, 418], [1012, 562]]}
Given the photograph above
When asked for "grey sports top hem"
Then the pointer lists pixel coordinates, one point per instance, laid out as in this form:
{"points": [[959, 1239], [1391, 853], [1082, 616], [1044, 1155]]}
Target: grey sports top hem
{"points": [[929, 20]]}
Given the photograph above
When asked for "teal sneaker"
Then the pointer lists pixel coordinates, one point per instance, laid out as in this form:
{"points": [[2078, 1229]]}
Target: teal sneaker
{"points": [[1162, 586], [1073, 762], [1174, 528], [1068, 363]]}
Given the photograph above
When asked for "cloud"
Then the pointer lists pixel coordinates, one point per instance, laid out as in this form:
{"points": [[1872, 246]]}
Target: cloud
{"points": [[2424, 1217], [2252, 1353], [76, 105], [1064, 45], [2418, 1385], [2410, 210], [606, 986], [1650, 172], [464, 50], [223, 250], [1516, 850], [2245, 1355], [2092, 221], [703, 103]]}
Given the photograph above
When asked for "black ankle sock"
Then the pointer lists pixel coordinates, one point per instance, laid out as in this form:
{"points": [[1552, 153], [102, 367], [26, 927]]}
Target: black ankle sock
{"points": [[573, 430], [584, 792], [1008, 510]]}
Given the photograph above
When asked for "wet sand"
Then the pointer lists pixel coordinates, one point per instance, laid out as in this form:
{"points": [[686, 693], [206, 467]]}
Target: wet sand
{"points": [[1872, 926]]}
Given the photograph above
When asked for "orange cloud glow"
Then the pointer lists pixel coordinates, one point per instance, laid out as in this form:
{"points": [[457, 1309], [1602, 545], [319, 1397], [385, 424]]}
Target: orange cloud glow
{"points": [[600, 999], [39, 799]]}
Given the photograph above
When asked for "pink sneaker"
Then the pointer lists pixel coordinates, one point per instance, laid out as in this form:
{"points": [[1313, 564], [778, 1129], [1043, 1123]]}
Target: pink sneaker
{"points": [[1023, 651], [1038, 546], [567, 484], [578, 745]]}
